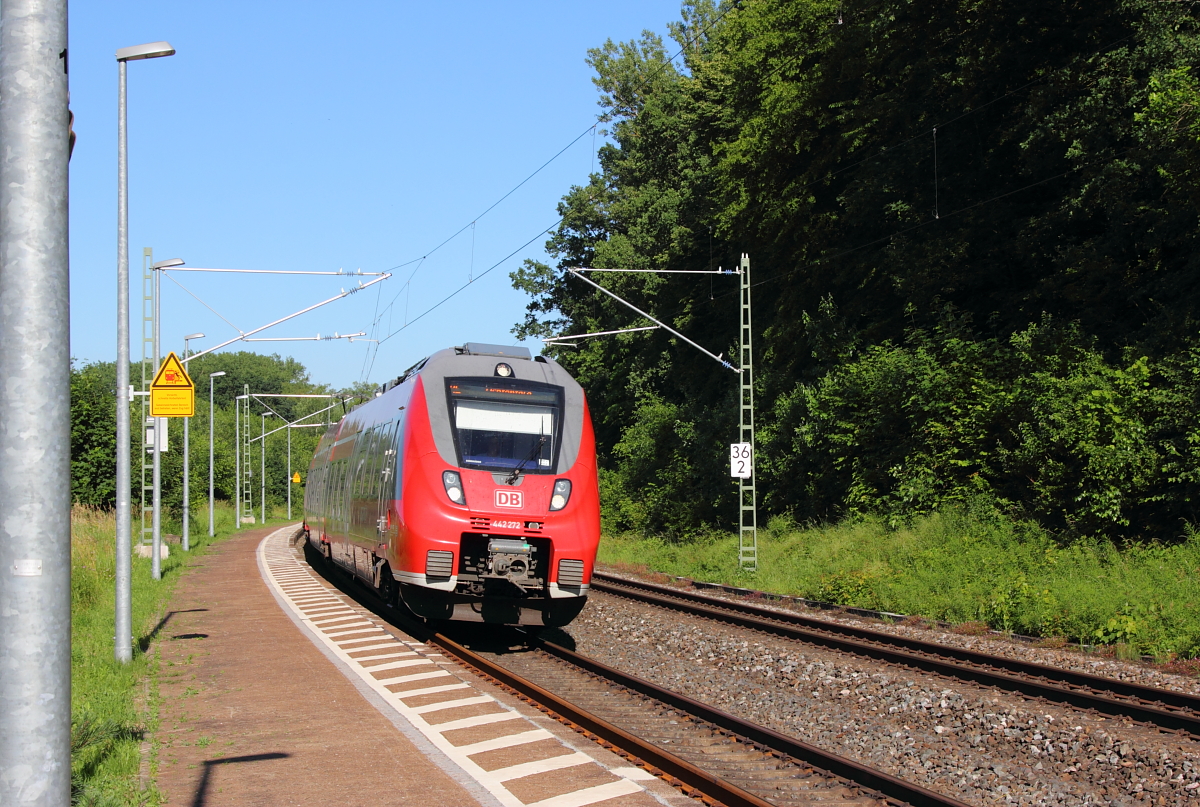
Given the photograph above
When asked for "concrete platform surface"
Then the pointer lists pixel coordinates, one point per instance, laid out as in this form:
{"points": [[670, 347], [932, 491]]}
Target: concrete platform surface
{"points": [[252, 713]]}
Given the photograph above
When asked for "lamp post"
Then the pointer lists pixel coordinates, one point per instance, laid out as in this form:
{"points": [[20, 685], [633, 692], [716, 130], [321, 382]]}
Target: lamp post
{"points": [[211, 376], [123, 650], [187, 491]]}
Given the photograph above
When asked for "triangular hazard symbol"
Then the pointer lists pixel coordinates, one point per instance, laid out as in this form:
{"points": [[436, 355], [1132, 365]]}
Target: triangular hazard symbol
{"points": [[172, 374]]}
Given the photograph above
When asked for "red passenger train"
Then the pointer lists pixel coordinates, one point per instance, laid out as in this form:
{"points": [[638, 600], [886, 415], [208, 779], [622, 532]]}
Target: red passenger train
{"points": [[466, 489]]}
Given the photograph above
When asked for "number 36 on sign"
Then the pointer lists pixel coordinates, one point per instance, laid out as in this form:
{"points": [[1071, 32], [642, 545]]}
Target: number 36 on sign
{"points": [[741, 460]]}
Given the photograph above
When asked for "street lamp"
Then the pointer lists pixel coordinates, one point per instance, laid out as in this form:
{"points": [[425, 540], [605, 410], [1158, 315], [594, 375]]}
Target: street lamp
{"points": [[123, 649], [211, 376], [187, 491]]}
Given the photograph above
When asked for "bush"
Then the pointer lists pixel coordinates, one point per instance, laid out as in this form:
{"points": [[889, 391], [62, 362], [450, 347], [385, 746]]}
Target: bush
{"points": [[961, 565]]}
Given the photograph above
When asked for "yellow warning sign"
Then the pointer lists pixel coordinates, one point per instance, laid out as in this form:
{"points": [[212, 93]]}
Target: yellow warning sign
{"points": [[296, 477], [172, 393]]}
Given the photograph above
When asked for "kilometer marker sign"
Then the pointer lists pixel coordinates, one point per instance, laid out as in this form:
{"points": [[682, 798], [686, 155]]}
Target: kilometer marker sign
{"points": [[741, 460], [172, 393]]}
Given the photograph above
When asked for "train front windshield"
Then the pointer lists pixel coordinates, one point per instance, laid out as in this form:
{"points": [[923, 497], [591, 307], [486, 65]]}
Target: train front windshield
{"points": [[505, 424]]}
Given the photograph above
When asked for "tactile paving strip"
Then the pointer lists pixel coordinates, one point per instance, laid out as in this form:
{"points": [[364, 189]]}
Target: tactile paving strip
{"points": [[499, 748]]}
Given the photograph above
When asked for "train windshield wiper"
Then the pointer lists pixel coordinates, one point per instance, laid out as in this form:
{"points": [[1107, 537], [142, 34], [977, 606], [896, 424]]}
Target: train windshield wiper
{"points": [[512, 478]]}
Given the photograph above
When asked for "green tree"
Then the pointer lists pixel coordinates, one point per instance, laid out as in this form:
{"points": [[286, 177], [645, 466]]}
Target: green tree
{"points": [[923, 188]]}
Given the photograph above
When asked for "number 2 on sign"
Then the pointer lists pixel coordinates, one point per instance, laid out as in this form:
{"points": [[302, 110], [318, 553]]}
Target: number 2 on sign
{"points": [[741, 460]]}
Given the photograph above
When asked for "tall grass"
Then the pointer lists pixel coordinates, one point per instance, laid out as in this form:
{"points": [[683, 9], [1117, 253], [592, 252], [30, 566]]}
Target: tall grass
{"points": [[960, 567], [112, 706]]}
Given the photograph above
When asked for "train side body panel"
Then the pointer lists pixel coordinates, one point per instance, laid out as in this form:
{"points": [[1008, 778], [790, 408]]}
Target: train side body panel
{"points": [[379, 505]]}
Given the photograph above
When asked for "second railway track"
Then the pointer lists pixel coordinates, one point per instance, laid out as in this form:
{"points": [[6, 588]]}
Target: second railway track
{"points": [[1159, 707]]}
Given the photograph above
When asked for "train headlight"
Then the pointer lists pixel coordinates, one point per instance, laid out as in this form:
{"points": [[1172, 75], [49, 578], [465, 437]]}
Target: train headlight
{"points": [[503, 370], [561, 494], [454, 489]]}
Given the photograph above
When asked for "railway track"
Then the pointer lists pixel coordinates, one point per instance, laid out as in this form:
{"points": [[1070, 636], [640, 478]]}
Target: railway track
{"points": [[1165, 709], [711, 755]]}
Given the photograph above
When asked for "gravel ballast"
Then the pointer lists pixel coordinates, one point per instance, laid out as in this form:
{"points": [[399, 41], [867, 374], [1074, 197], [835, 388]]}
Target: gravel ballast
{"points": [[977, 744], [994, 643]]}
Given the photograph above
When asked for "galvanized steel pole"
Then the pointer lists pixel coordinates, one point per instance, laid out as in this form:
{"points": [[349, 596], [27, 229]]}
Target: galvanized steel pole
{"points": [[35, 415], [262, 472], [289, 478], [187, 458], [237, 462], [211, 381], [155, 549], [187, 510], [123, 637]]}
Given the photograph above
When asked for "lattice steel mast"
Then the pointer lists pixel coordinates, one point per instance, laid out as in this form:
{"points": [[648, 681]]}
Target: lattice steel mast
{"points": [[747, 493], [149, 368]]}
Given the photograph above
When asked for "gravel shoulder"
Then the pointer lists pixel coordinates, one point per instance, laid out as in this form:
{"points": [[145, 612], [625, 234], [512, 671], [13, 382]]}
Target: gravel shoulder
{"points": [[998, 644], [978, 744]]}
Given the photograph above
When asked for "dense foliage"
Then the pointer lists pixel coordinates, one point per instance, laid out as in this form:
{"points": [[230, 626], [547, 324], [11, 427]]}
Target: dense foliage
{"points": [[93, 431], [972, 226]]}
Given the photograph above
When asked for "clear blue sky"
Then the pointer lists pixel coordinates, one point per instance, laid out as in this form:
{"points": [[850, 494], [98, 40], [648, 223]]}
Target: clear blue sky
{"points": [[323, 136]]}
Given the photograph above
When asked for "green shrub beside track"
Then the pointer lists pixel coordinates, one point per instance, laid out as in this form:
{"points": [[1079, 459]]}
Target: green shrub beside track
{"points": [[959, 567]]}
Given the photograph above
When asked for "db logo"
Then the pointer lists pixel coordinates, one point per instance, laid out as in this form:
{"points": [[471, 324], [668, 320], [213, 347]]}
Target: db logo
{"points": [[508, 498]]}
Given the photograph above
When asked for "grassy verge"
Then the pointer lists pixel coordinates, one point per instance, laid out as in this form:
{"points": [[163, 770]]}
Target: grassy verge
{"points": [[111, 704], [959, 568]]}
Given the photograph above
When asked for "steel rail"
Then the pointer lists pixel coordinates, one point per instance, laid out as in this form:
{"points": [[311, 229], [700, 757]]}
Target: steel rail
{"points": [[862, 775], [684, 772], [1036, 680]]}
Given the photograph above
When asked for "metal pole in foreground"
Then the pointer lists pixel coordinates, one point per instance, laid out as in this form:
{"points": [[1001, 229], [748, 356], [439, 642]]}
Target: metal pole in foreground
{"points": [[211, 376], [123, 637], [35, 419]]}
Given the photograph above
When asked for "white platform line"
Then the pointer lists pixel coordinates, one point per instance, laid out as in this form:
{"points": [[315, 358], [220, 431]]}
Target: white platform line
{"points": [[342, 642], [452, 704], [360, 630], [507, 741], [384, 655], [411, 693], [478, 720], [392, 644], [394, 665], [542, 766], [414, 677], [327, 621], [591, 795]]}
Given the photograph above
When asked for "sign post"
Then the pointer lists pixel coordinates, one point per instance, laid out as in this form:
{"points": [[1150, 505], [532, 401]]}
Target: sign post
{"points": [[172, 395]]}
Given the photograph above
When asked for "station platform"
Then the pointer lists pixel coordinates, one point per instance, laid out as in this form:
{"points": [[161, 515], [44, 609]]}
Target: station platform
{"points": [[277, 689]]}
